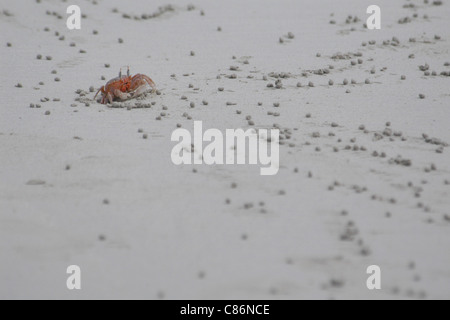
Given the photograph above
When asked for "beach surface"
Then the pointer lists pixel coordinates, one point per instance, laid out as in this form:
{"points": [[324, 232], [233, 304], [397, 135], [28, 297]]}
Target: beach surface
{"points": [[364, 177]]}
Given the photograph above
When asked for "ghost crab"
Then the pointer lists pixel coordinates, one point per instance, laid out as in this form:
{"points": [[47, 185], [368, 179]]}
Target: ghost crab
{"points": [[125, 87]]}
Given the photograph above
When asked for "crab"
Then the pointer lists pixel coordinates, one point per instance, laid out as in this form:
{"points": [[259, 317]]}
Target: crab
{"points": [[125, 87]]}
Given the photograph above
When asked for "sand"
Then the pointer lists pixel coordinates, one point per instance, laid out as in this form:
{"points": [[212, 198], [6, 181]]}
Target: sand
{"points": [[364, 166]]}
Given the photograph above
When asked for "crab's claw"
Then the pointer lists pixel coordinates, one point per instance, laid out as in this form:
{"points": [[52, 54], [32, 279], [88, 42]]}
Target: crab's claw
{"points": [[139, 84]]}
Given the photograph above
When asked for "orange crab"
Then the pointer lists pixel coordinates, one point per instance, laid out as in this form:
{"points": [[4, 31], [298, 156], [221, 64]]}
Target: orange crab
{"points": [[125, 87]]}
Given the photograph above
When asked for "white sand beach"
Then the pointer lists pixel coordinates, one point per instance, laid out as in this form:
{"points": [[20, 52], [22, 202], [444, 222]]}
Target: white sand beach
{"points": [[364, 174]]}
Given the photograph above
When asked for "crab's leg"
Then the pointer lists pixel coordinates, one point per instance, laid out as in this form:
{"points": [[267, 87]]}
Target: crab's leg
{"points": [[101, 89], [149, 81], [139, 84]]}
